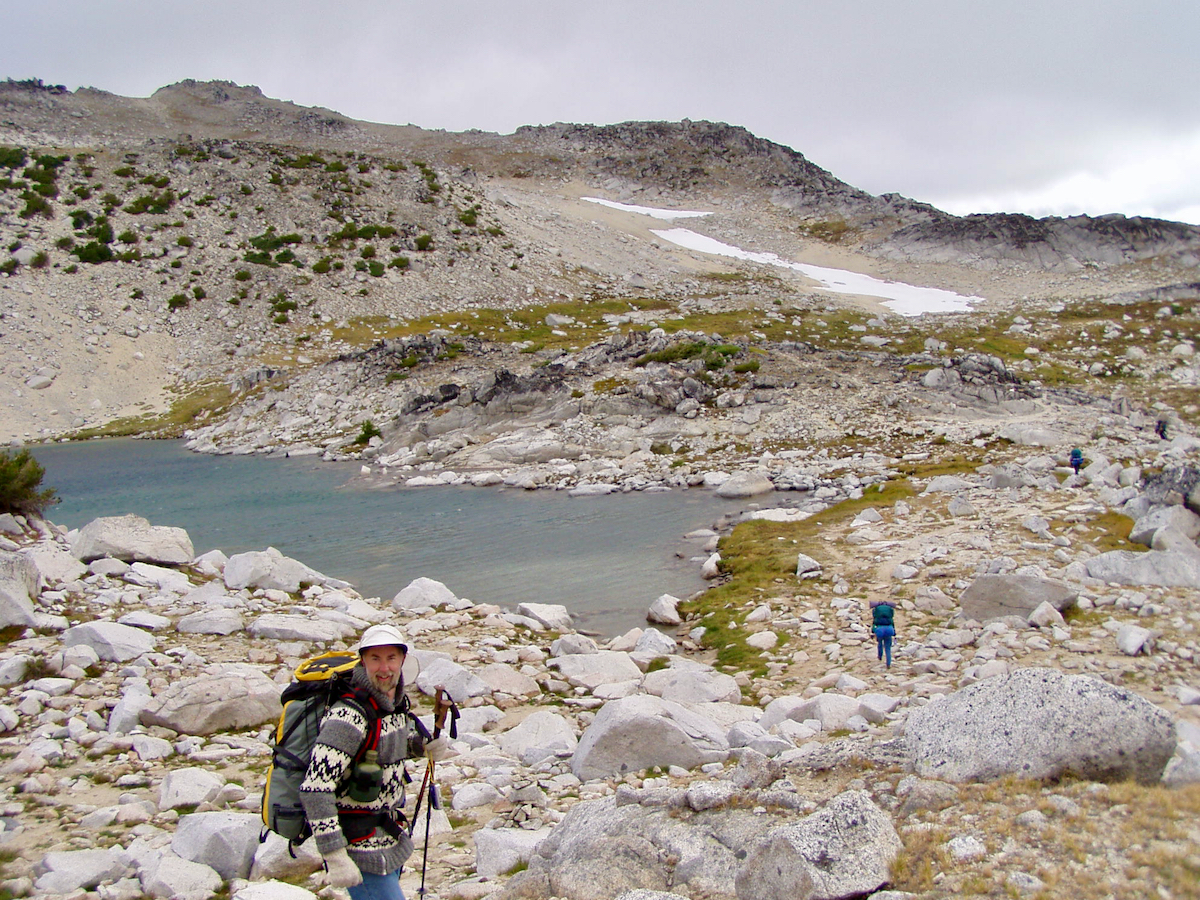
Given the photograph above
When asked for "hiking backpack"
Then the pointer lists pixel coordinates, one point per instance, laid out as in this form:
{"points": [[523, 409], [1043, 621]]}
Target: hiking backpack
{"points": [[318, 683]]}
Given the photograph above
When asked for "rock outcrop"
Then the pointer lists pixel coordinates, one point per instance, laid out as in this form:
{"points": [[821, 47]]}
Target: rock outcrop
{"points": [[1039, 723]]}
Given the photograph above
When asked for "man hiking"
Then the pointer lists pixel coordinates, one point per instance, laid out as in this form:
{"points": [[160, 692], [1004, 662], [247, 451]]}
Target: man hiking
{"points": [[353, 791], [883, 625]]}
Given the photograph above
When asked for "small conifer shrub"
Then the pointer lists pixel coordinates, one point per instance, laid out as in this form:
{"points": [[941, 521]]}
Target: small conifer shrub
{"points": [[21, 491]]}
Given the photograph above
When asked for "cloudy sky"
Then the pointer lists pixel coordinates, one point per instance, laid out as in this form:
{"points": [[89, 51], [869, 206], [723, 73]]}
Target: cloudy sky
{"points": [[1038, 106]]}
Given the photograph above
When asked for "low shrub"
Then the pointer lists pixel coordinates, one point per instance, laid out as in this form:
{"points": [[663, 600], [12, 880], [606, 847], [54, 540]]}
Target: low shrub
{"points": [[12, 157], [369, 430], [94, 252]]}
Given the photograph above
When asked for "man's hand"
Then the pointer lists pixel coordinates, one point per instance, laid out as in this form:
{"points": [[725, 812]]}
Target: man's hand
{"points": [[439, 749], [342, 872]]}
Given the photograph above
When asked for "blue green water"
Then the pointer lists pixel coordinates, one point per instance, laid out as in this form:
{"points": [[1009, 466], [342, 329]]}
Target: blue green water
{"points": [[605, 558]]}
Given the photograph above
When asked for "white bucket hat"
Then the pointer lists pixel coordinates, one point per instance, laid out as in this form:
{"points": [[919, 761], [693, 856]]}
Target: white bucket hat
{"points": [[382, 636]]}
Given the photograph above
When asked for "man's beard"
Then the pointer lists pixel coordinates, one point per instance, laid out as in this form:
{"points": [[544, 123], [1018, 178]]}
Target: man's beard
{"points": [[385, 683]]}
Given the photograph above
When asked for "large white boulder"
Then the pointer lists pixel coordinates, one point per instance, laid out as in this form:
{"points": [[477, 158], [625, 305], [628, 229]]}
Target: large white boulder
{"points": [[687, 681], [67, 871], [498, 850], [504, 679], [165, 579], [1174, 561], [276, 857], [211, 621], [1040, 723], [132, 538], [833, 711], [665, 611], [224, 841], [995, 596], [421, 593], [55, 563], [590, 670], [19, 584], [112, 642], [278, 627], [235, 698], [843, 850], [271, 570], [175, 878], [1180, 518], [652, 644], [745, 484], [552, 615], [135, 696], [439, 671], [638, 732], [540, 734], [190, 786]]}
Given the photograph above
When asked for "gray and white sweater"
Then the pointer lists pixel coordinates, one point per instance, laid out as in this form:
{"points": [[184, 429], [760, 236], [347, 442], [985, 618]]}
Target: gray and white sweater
{"points": [[323, 792]]}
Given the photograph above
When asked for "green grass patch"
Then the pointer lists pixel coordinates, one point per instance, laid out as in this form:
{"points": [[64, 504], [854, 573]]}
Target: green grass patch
{"points": [[203, 402], [831, 231], [526, 324], [756, 556], [1109, 531]]}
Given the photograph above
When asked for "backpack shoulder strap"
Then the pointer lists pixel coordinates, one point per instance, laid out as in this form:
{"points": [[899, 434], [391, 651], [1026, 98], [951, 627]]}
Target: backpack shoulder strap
{"points": [[366, 706]]}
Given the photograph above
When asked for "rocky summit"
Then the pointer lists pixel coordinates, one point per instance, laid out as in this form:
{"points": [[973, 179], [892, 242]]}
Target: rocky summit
{"points": [[522, 312]]}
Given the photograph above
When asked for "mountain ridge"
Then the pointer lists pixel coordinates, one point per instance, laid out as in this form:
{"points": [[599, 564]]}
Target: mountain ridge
{"points": [[646, 151], [220, 233]]}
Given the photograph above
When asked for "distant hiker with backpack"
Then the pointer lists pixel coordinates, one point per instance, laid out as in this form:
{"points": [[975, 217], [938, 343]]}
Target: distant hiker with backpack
{"points": [[353, 790], [883, 625], [1076, 459]]}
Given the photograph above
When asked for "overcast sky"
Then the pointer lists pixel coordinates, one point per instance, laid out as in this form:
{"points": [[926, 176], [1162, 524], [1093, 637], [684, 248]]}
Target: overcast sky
{"points": [[1038, 106]]}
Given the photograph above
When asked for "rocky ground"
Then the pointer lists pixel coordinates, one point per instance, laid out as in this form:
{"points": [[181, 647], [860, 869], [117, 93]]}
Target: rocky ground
{"points": [[79, 753]]}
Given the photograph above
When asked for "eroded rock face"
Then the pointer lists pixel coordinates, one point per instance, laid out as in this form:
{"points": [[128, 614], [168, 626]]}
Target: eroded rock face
{"points": [[1040, 723], [1058, 244]]}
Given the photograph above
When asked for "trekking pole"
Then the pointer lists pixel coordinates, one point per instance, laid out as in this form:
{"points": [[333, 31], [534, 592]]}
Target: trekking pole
{"points": [[440, 709]]}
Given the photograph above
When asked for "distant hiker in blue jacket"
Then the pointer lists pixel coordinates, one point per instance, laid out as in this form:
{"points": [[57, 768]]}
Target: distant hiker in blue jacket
{"points": [[1076, 459], [883, 625]]}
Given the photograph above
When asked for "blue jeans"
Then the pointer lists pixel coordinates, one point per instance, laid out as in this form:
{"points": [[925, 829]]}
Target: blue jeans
{"points": [[378, 887], [883, 638]]}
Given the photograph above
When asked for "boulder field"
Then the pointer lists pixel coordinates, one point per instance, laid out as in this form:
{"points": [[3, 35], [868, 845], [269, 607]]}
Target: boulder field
{"points": [[143, 686]]}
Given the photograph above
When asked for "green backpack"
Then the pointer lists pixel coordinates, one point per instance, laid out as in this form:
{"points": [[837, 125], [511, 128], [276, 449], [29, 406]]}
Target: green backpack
{"points": [[318, 683]]}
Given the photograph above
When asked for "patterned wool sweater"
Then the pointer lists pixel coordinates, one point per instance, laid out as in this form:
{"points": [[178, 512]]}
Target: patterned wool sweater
{"points": [[343, 731]]}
